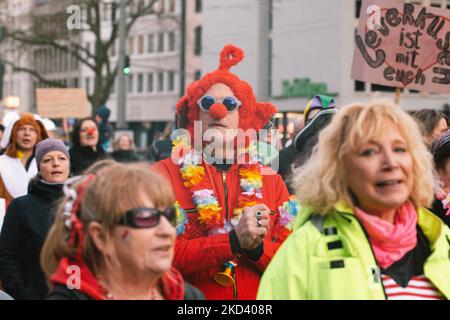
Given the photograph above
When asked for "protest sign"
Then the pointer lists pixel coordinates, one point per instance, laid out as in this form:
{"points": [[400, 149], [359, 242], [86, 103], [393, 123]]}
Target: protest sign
{"points": [[403, 45], [58, 103]]}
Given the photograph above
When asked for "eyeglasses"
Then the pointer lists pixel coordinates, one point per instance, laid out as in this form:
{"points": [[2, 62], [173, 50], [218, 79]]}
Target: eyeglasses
{"points": [[147, 217], [231, 103]]}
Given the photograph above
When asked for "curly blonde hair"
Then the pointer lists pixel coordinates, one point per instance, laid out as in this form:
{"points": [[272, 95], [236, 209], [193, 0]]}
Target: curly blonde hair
{"points": [[321, 183]]}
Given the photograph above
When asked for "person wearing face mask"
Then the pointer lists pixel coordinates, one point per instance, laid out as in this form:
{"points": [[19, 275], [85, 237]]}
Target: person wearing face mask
{"points": [[28, 220], [17, 164], [364, 231], [120, 239], [86, 147]]}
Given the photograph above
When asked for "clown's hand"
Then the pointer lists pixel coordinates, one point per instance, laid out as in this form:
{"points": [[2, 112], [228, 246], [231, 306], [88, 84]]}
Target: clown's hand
{"points": [[253, 226]]}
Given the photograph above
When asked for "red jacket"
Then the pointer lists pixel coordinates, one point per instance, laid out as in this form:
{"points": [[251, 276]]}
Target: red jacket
{"points": [[171, 282], [199, 256]]}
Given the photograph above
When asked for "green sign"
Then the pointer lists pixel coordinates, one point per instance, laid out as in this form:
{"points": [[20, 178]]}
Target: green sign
{"points": [[303, 88]]}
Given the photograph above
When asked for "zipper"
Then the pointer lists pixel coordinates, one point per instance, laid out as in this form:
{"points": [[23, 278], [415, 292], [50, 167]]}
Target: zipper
{"points": [[224, 182], [371, 249], [225, 188]]}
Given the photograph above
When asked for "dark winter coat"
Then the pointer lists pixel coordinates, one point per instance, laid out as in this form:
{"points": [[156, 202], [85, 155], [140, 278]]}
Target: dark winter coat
{"points": [[82, 157], [125, 156], [27, 222], [438, 209], [61, 292]]}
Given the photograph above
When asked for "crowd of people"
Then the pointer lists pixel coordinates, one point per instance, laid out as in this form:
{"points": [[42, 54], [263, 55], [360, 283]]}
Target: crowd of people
{"points": [[356, 206]]}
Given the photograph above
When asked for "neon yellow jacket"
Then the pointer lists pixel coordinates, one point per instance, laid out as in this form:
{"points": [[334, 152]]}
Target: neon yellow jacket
{"points": [[313, 264]]}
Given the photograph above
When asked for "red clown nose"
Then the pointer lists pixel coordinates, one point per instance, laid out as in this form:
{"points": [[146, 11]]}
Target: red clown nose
{"points": [[218, 111], [91, 131]]}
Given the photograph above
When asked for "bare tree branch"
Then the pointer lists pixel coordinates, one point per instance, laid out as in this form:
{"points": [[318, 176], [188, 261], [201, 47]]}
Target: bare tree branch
{"points": [[34, 73], [45, 31]]}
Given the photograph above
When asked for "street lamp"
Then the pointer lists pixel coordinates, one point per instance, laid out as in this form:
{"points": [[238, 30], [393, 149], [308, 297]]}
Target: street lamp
{"points": [[11, 102]]}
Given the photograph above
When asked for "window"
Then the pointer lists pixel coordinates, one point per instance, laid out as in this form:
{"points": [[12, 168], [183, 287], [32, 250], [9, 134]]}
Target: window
{"points": [[171, 41], [357, 8], [160, 42], [140, 85], [75, 82], [198, 5], [171, 6], [198, 41], [160, 82], [171, 81], [140, 44], [360, 86], [197, 75], [88, 86], [439, 4], [378, 87], [113, 49], [88, 48], [104, 12], [65, 61], [150, 43], [150, 82], [161, 6], [141, 4], [130, 83], [113, 87], [130, 46]]}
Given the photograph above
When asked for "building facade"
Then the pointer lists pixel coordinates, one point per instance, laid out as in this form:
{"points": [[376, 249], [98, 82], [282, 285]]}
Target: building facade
{"points": [[153, 45], [309, 43]]}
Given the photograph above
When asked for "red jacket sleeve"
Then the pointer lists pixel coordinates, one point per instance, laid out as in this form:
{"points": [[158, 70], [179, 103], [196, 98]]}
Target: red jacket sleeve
{"points": [[278, 233], [199, 254]]}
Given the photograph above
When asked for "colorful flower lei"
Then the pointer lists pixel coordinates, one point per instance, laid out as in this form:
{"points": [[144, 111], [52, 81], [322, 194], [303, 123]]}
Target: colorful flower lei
{"points": [[194, 177], [181, 218], [288, 212], [445, 199]]}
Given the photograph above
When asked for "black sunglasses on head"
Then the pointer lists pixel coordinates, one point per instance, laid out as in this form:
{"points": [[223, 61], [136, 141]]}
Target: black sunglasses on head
{"points": [[147, 217]]}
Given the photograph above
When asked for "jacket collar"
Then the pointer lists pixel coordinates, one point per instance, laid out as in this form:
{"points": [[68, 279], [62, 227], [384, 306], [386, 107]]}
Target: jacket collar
{"points": [[429, 223]]}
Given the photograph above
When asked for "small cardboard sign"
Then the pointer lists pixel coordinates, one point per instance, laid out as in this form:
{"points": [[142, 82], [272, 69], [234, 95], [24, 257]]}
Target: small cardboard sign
{"points": [[58, 103]]}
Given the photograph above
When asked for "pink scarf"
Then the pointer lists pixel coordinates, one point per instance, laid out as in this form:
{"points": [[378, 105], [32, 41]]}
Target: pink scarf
{"points": [[390, 242]]}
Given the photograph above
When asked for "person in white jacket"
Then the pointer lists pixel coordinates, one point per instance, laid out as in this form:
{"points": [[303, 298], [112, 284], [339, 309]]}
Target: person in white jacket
{"points": [[17, 164]]}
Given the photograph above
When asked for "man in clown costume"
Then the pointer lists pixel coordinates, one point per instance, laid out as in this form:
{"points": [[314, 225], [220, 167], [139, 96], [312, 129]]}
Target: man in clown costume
{"points": [[233, 212]]}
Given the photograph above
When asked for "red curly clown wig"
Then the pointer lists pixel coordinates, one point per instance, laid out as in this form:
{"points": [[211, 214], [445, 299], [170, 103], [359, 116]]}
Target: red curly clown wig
{"points": [[252, 114]]}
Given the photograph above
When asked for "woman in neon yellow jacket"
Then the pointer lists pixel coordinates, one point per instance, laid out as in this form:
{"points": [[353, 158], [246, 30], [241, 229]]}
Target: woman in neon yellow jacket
{"points": [[363, 231]]}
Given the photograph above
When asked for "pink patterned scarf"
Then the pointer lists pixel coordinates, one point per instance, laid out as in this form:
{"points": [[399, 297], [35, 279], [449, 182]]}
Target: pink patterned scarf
{"points": [[390, 242]]}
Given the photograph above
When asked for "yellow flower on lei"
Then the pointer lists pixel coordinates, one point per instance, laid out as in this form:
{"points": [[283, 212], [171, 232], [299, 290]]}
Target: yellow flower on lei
{"points": [[209, 212], [252, 176], [192, 175]]}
